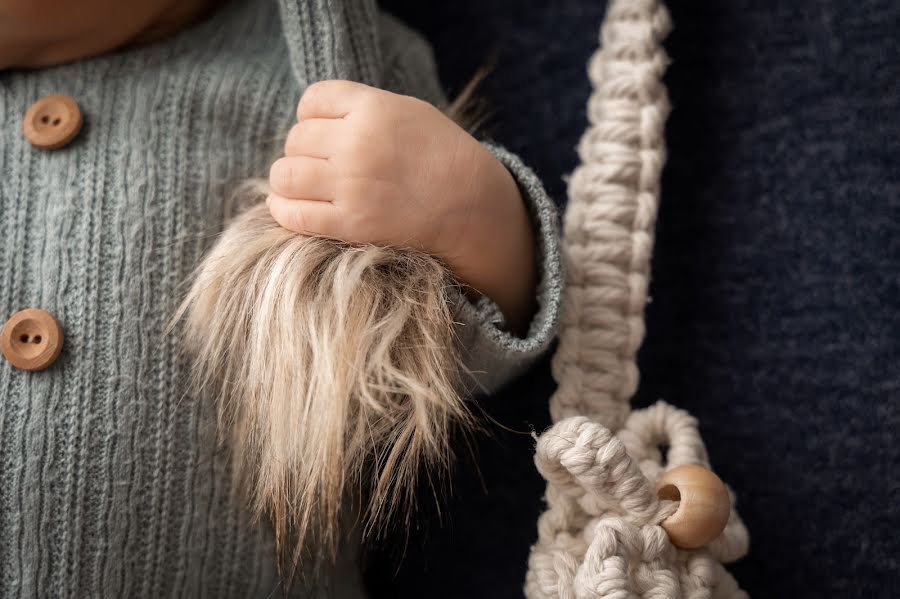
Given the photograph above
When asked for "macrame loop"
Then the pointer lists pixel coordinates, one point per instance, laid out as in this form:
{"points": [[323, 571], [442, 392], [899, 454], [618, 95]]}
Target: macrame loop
{"points": [[601, 533]]}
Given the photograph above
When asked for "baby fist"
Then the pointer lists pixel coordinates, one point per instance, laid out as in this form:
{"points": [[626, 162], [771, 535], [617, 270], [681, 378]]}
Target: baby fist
{"points": [[363, 164]]}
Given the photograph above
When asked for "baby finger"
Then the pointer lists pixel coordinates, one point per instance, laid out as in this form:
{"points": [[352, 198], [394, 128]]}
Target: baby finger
{"points": [[302, 178], [308, 217]]}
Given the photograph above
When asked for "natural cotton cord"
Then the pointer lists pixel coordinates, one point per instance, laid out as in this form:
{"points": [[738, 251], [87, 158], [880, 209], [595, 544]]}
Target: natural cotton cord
{"points": [[600, 535]]}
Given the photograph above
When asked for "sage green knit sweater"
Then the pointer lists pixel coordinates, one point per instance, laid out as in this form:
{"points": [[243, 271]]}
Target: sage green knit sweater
{"points": [[110, 482]]}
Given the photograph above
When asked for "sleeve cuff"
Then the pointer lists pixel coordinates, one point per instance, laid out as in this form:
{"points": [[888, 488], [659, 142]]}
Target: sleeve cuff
{"points": [[493, 355]]}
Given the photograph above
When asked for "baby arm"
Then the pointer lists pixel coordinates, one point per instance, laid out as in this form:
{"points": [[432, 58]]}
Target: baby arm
{"points": [[367, 165]]}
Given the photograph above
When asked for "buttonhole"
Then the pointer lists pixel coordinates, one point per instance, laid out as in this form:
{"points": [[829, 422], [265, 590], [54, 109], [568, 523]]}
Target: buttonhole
{"points": [[56, 121], [45, 119], [36, 339]]}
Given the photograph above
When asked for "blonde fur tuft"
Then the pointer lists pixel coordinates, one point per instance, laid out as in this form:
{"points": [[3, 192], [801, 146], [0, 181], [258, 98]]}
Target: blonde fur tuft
{"points": [[333, 367]]}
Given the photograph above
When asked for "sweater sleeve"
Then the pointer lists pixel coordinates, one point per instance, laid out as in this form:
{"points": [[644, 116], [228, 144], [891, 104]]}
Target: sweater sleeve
{"points": [[332, 39], [492, 355]]}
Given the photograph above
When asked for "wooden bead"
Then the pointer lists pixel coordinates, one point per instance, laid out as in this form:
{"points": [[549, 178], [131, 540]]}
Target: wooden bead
{"points": [[31, 339], [52, 122], [703, 509]]}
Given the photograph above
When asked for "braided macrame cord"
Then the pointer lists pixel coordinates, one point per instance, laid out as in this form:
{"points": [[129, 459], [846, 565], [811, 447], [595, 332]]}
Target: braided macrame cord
{"points": [[600, 535]]}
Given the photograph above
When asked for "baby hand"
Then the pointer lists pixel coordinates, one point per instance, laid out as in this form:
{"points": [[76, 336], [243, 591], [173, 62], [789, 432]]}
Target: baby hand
{"points": [[367, 165]]}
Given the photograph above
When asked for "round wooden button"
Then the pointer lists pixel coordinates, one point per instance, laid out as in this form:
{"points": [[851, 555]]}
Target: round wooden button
{"points": [[704, 505], [31, 339], [52, 122]]}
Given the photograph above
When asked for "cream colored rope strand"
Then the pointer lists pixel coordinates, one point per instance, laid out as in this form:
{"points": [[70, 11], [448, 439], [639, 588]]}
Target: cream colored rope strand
{"points": [[600, 535], [610, 217]]}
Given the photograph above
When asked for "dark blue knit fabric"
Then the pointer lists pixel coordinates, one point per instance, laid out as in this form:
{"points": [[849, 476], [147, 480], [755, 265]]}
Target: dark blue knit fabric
{"points": [[776, 280]]}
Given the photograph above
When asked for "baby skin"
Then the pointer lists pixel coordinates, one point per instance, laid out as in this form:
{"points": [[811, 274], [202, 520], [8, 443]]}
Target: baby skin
{"points": [[367, 165], [361, 164]]}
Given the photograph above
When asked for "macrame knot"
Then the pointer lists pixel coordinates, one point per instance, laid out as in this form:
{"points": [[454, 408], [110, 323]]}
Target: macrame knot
{"points": [[601, 535]]}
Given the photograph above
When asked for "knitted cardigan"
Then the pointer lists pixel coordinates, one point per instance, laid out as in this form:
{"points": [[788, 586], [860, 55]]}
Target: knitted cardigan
{"points": [[111, 483]]}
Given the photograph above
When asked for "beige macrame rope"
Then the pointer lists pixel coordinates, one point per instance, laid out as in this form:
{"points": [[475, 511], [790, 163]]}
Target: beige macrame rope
{"points": [[609, 220], [600, 535]]}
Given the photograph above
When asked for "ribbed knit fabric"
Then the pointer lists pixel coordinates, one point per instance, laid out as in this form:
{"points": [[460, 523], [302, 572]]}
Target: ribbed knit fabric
{"points": [[110, 481]]}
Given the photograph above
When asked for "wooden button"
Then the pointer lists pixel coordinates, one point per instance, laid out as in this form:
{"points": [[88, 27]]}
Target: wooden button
{"points": [[52, 122], [31, 339], [704, 505]]}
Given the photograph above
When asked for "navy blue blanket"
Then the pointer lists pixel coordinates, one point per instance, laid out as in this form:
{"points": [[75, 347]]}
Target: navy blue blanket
{"points": [[776, 279]]}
